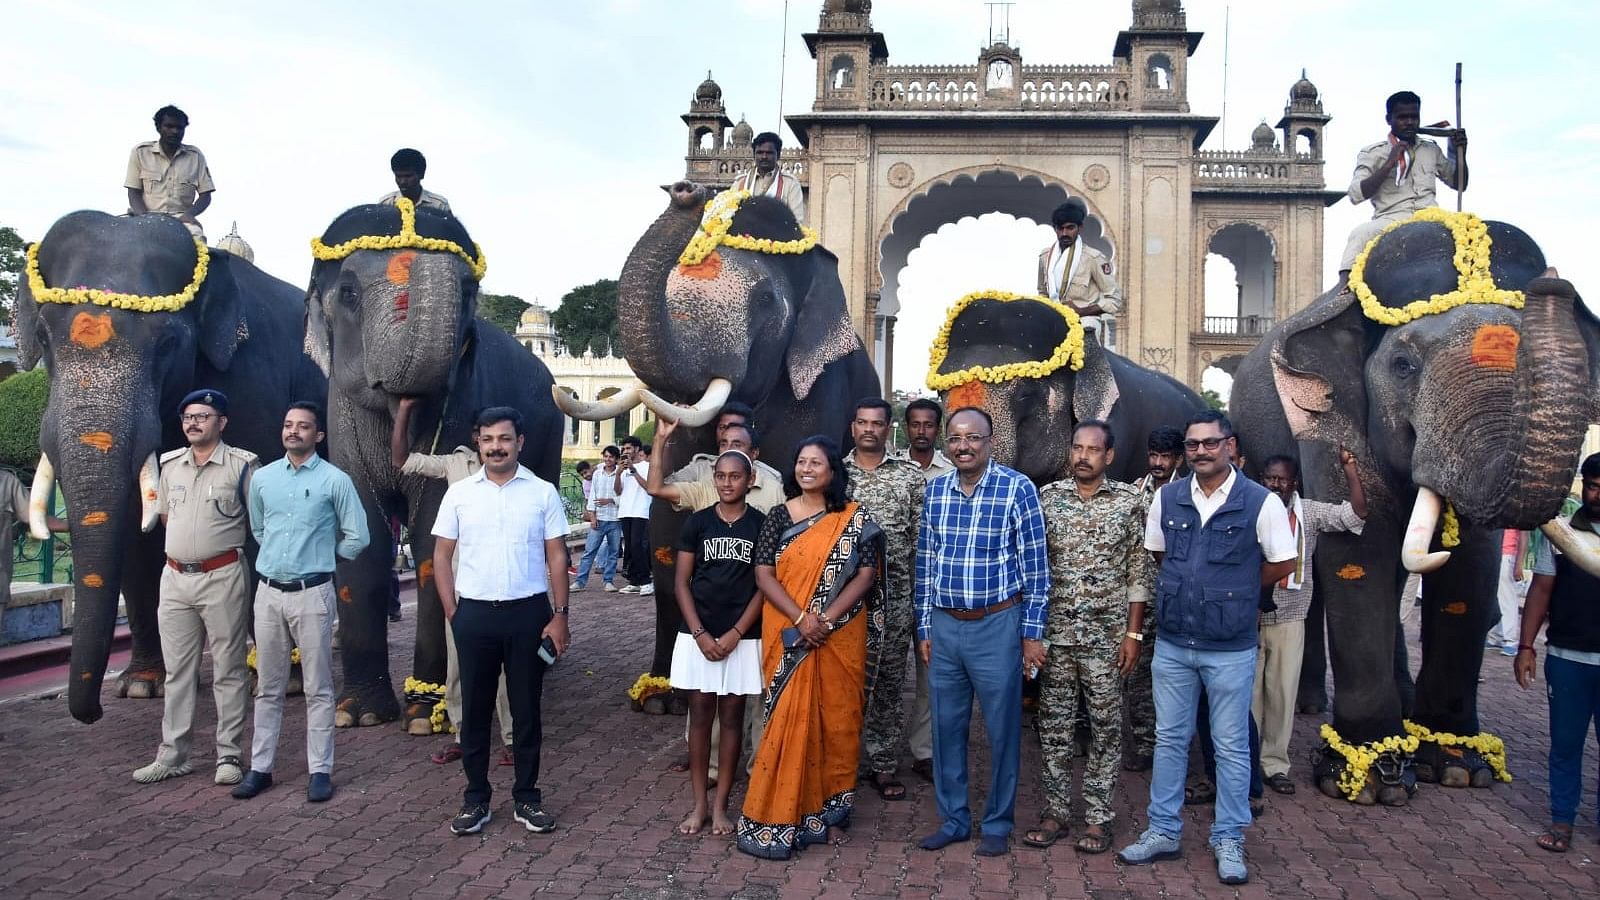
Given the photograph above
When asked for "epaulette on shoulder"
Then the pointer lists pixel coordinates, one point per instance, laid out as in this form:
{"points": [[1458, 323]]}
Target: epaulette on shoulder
{"points": [[240, 453], [172, 455], [1375, 145]]}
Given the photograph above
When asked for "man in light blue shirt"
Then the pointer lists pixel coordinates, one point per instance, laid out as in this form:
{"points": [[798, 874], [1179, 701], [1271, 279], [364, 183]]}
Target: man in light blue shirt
{"points": [[303, 512]]}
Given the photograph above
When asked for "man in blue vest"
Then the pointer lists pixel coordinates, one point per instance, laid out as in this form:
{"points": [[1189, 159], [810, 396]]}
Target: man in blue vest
{"points": [[1568, 599], [1219, 538]]}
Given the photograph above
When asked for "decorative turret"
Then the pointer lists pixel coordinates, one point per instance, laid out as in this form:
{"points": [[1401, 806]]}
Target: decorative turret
{"points": [[844, 46], [743, 134], [1303, 117], [1161, 15], [707, 118], [1264, 139], [236, 245], [1158, 45]]}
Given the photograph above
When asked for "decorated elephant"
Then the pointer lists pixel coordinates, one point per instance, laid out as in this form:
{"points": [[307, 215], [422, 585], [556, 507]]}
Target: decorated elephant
{"points": [[732, 301], [1462, 375], [391, 312], [1026, 361], [129, 315]]}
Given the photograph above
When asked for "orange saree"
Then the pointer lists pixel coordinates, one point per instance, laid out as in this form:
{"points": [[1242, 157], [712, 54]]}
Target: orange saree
{"points": [[803, 778]]}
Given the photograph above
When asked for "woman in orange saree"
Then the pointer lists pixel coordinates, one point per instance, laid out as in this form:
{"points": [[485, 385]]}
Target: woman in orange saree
{"points": [[816, 566]]}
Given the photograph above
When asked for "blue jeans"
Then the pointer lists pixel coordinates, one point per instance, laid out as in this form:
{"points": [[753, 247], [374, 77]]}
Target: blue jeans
{"points": [[1208, 750], [982, 657], [606, 539], [1177, 675], [1573, 689]]}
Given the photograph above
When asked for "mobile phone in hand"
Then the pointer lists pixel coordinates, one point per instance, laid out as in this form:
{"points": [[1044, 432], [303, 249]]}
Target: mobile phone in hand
{"points": [[547, 651]]}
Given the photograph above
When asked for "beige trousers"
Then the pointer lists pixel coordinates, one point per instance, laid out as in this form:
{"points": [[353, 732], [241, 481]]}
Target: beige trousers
{"points": [[452, 690], [196, 611], [1277, 680], [286, 620]]}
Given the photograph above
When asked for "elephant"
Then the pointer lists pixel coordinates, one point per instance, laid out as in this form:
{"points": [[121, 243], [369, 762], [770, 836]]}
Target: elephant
{"points": [[1472, 412], [399, 321], [769, 330], [1034, 414], [116, 377]]}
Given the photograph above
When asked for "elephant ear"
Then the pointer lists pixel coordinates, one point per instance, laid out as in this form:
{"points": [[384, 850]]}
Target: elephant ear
{"points": [[1094, 388], [222, 324], [319, 313], [822, 332], [30, 349], [1318, 367]]}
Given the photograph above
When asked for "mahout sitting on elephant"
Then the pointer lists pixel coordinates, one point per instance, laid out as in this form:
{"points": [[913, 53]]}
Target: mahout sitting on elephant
{"points": [[129, 315], [731, 301], [390, 312], [1462, 375], [1026, 361]]}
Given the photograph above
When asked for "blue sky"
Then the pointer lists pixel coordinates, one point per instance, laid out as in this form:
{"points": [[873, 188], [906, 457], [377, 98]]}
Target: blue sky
{"points": [[550, 125]]}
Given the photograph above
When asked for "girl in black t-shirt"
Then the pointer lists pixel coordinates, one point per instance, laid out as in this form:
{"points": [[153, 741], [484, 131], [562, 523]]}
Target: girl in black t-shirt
{"points": [[717, 657]]}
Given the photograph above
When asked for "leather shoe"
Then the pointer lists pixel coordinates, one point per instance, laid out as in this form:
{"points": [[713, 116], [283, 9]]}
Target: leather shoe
{"points": [[993, 845], [254, 783], [321, 788], [941, 839]]}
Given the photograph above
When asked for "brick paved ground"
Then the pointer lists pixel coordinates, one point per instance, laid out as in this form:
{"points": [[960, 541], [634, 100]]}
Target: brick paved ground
{"points": [[72, 822]]}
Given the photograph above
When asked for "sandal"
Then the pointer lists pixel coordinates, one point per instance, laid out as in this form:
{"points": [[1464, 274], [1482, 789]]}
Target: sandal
{"points": [[1556, 838], [1094, 843], [447, 756], [1280, 783], [1199, 791], [924, 769], [1043, 837], [887, 786]]}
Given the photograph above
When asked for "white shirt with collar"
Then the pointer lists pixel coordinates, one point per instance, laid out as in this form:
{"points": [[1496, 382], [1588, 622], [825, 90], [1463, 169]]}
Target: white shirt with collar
{"points": [[1272, 522], [634, 502], [500, 530]]}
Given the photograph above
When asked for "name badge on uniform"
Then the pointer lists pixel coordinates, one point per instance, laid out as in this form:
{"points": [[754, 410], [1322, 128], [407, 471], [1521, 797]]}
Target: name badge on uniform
{"points": [[177, 494]]}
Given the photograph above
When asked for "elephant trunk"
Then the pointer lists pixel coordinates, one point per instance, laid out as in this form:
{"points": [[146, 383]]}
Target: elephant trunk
{"points": [[645, 328], [1558, 406]]}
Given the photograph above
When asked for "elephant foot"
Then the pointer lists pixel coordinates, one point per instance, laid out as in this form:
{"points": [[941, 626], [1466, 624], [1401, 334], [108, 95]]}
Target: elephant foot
{"points": [[365, 709], [679, 704], [1453, 767], [142, 684], [418, 719], [655, 704], [1390, 781]]}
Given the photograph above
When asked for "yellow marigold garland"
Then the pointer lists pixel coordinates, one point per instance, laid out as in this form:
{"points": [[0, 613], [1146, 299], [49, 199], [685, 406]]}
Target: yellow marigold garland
{"points": [[713, 232], [407, 237], [1474, 283], [1359, 758], [136, 302], [648, 685], [1450, 534], [1068, 352], [423, 690], [294, 657], [1491, 748]]}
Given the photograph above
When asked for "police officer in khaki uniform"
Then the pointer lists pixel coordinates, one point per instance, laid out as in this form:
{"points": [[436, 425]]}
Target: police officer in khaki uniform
{"points": [[205, 587], [167, 176], [1077, 274]]}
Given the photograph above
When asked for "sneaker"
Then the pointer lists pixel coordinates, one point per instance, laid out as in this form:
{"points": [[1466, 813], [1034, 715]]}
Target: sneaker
{"points": [[157, 772], [630, 589], [1508, 649], [1230, 861], [471, 819], [611, 588], [1151, 846], [647, 590], [576, 586], [572, 570], [229, 770], [533, 817]]}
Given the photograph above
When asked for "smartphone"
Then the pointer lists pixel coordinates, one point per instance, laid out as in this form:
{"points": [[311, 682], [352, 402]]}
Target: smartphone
{"points": [[792, 639], [547, 651]]}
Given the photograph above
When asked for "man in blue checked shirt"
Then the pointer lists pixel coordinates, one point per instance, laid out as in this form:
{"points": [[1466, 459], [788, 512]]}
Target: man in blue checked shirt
{"points": [[982, 582]]}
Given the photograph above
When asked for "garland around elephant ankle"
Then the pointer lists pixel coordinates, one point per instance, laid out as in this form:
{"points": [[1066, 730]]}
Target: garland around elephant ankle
{"points": [[407, 237], [713, 232], [647, 686], [1359, 758], [419, 691], [1474, 282], [136, 302], [1488, 746], [1068, 353]]}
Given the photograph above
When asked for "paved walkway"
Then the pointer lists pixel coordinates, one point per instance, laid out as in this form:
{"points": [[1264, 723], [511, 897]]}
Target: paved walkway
{"points": [[73, 823]]}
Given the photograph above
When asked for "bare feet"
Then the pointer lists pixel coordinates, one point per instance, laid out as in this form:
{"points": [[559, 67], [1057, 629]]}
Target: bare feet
{"points": [[694, 821], [721, 824]]}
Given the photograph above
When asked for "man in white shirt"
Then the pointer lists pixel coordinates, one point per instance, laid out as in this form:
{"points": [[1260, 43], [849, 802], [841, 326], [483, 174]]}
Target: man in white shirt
{"points": [[500, 566], [605, 529], [767, 180], [633, 509], [1076, 274], [409, 166]]}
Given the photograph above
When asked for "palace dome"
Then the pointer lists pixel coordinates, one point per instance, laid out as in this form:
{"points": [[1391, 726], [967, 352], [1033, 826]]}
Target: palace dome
{"points": [[236, 245], [743, 134], [1263, 138], [708, 91]]}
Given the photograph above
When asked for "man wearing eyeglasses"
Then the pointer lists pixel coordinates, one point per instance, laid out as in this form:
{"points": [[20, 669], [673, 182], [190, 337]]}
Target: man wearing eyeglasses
{"points": [[205, 587], [982, 585], [1219, 538]]}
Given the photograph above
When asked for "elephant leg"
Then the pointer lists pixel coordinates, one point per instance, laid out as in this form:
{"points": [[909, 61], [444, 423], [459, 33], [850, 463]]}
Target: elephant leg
{"points": [[429, 661], [146, 674], [1311, 698], [1460, 605], [367, 697]]}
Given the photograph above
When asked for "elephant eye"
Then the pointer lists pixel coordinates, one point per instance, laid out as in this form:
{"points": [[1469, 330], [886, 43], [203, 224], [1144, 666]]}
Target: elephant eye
{"points": [[347, 294], [1403, 366]]}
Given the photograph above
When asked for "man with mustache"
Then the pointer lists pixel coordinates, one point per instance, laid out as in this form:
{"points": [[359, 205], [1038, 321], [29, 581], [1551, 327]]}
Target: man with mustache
{"points": [[764, 179], [1076, 274], [1219, 538], [304, 512], [205, 587], [1100, 580], [167, 176]]}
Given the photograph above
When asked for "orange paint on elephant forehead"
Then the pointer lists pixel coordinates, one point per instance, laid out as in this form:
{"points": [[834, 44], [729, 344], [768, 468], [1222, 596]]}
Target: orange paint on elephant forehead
{"points": [[705, 270], [1495, 347], [100, 440], [91, 331], [399, 269], [973, 393], [93, 580], [97, 517], [1351, 572]]}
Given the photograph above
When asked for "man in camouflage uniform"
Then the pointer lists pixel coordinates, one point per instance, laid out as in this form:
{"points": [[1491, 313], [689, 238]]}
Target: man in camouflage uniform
{"points": [[891, 489], [1164, 456], [1100, 580]]}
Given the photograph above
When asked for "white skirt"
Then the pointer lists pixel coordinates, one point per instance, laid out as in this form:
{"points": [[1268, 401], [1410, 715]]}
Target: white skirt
{"points": [[738, 673]]}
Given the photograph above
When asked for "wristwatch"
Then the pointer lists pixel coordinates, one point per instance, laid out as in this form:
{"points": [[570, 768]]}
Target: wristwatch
{"points": [[559, 610], [1136, 635]]}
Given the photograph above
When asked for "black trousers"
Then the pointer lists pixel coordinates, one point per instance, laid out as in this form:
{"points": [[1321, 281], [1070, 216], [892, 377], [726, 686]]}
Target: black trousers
{"points": [[489, 638], [636, 534]]}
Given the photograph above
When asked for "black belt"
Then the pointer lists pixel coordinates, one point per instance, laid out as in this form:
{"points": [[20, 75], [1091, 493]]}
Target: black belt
{"points": [[290, 587], [512, 602]]}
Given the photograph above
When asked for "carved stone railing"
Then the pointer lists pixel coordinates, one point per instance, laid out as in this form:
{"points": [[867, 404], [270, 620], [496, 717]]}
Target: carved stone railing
{"points": [[1247, 166], [1058, 87], [1237, 326]]}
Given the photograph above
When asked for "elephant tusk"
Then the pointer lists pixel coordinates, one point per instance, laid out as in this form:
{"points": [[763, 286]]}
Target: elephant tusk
{"points": [[149, 509], [597, 410], [1419, 534], [44, 488], [704, 410], [1582, 548]]}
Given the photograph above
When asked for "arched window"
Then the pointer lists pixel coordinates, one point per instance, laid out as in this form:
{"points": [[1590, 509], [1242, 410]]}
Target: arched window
{"points": [[842, 73], [1158, 74], [1240, 281], [1305, 142]]}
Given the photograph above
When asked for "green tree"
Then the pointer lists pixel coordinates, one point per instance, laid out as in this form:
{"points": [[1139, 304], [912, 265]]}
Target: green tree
{"points": [[12, 253], [587, 318], [22, 399], [1214, 400], [504, 311]]}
